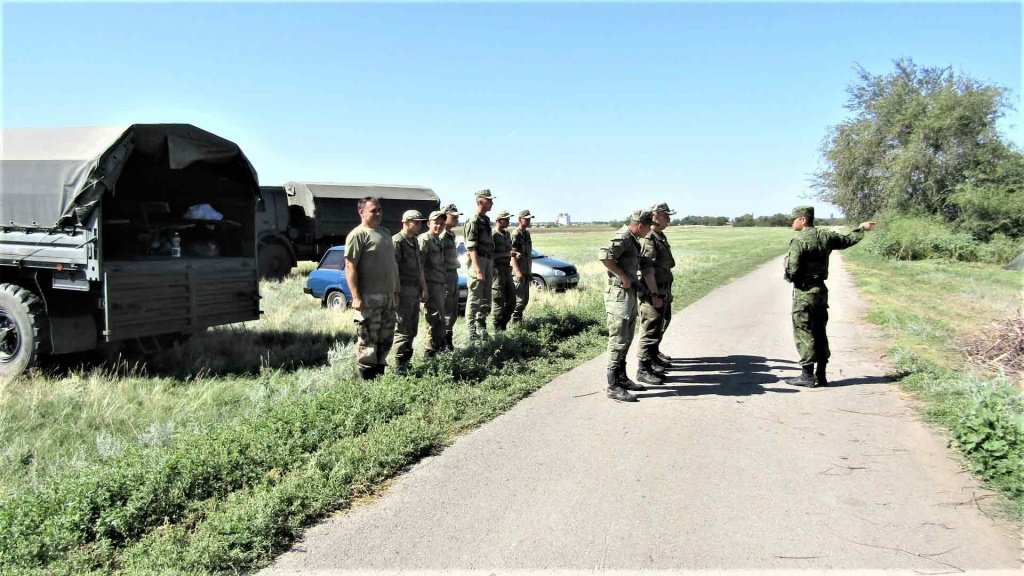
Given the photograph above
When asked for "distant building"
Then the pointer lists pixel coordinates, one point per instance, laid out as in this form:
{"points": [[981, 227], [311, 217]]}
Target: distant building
{"points": [[563, 219]]}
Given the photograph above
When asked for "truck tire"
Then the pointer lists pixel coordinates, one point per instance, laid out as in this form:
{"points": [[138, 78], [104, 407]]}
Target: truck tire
{"points": [[22, 329], [274, 259], [336, 300]]}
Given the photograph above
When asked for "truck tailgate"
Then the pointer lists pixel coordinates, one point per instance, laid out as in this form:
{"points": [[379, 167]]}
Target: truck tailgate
{"points": [[147, 298]]}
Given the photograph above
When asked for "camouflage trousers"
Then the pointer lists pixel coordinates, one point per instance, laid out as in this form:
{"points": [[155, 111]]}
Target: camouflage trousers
{"points": [[478, 305], [810, 316], [435, 317], [620, 309], [375, 329], [451, 301], [522, 298], [503, 293], [653, 323], [407, 323]]}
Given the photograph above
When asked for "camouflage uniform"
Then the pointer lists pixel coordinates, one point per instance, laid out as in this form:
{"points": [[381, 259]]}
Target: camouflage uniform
{"points": [[503, 289], [410, 269], [478, 236], [620, 304], [451, 287], [806, 266], [432, 256], [654, 321], [372, 252], [522, 243]]}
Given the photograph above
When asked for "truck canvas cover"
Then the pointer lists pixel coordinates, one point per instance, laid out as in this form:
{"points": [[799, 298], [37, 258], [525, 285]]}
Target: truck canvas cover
{"points": [[333, 206], [53, 177]]}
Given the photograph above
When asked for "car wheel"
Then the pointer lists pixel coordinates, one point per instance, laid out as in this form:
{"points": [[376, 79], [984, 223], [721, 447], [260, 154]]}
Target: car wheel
{"points": [[538, 283], [22, 327], [274, 260], [336, 300]]}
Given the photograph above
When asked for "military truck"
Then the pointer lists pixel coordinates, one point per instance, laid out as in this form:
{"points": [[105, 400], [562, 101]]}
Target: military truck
{"points": [[142, 233], [302, 220]]}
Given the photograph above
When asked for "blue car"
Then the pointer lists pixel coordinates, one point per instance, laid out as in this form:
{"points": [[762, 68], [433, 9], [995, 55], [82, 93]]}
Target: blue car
{"points": [[327, 283]]}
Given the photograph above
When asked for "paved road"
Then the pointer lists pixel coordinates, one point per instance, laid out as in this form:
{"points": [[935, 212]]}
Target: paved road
{"points": [[725, 467]]}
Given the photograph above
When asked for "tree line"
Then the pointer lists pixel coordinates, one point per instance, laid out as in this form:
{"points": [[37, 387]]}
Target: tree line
{"points": [[923, 154]]}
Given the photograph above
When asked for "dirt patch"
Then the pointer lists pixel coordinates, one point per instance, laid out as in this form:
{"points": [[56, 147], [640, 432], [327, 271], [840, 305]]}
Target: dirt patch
{"points": [[999, 346]]}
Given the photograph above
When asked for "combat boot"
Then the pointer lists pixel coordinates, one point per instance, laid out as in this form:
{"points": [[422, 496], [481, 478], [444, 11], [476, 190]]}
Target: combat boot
{"points": [[626, 383], [656, 368], [449, 341], [819, 374], [806, 377], [366, 372], [665, 361], [646, 374], [616, 391]]}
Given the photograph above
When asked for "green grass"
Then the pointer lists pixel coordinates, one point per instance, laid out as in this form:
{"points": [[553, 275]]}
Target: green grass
{"points": [[211, 457], [930, 309]]}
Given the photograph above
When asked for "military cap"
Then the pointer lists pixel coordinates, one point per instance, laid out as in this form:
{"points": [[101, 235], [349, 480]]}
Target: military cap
{"points": [[502, 215], [412, 215], [641, 216], [485, 193], [435, 215], [662, 207], [807, 211], [525, 214], [451, 209]]}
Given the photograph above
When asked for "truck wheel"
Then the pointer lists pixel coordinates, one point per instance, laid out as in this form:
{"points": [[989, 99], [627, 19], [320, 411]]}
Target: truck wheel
{"points": [[336, 300], [275, 261], [538, 283], [22, 329]]}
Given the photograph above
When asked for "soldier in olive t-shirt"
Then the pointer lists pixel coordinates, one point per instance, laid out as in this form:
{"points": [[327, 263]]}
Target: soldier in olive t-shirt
{"points": [[372, 276]]}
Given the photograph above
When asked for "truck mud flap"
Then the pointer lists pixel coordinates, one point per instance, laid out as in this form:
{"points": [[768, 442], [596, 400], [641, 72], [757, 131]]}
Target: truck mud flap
{"points": [[147, 298]]}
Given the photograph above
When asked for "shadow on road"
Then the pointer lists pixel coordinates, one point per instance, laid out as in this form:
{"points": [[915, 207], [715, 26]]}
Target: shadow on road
{"points": [[739, 375], [860, 381]]}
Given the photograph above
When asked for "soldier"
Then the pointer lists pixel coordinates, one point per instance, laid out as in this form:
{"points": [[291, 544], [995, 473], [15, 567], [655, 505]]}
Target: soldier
{"points": [[621, 256], [413, 287], [432, 256], [451, 268], [522, 264], [653, 321], [372, 277], [480, 245], [807, 269], [503, 291]]}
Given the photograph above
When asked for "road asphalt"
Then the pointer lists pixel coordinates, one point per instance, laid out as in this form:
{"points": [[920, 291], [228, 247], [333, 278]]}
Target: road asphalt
{"points": [[725, 467]]}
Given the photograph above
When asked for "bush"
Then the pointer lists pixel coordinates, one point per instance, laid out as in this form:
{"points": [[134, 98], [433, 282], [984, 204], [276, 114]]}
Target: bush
{"points": [[929, 237]]}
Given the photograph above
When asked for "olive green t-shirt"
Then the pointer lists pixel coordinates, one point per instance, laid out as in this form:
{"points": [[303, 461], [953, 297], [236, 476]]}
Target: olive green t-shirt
{"points": [[372, 252], [451, 251], [502, 243], [432, 256], [522, 243]]}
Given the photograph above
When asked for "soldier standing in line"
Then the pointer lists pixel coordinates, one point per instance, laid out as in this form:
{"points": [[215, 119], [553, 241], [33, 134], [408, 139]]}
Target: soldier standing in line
{"points": [[372, 277], [503, 291], [451, 267], [432, 255], [621, 256], [480, 245], [654, 322], [413, 287], [522, 264], [807, 269]]}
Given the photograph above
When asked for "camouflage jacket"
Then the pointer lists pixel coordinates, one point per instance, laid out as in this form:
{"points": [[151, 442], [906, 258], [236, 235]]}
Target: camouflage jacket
{"points": [[807, 261]]}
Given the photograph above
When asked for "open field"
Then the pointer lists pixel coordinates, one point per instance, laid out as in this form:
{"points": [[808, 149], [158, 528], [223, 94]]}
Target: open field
{"points": [[932, 310], [212, 456]]}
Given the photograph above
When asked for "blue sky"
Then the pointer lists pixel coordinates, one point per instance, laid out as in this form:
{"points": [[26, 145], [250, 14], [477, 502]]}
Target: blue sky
{"points": [[590, 109]]}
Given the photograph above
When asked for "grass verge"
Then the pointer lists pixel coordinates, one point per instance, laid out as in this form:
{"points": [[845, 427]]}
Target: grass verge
{"points": [[929, 309], [266, 437]]}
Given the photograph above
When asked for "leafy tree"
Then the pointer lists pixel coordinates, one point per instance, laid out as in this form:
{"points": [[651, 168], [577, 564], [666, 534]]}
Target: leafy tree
{"points": [[744, 220], [917, 136]]}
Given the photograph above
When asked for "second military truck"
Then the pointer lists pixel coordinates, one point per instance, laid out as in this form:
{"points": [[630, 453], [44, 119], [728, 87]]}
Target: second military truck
{"points": [[302, 220]]}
